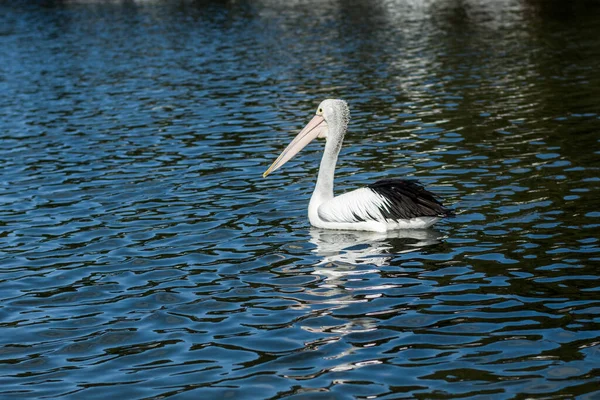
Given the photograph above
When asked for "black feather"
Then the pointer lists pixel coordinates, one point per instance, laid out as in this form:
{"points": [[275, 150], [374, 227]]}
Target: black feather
{"points": [[408, 199]]}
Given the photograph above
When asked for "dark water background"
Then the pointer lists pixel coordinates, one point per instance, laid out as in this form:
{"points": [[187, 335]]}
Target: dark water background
{"points": [[142, 255]]}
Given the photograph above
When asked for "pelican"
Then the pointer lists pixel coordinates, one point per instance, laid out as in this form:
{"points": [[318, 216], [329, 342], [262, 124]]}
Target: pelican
{"points": [[385, 205]]}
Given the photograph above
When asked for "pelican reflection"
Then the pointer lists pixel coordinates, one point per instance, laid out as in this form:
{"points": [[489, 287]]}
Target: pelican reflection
{"points": [[352, 248]]}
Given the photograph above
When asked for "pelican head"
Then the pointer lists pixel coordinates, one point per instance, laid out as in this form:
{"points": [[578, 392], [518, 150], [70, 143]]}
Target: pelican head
{"points": [[332, 116]]}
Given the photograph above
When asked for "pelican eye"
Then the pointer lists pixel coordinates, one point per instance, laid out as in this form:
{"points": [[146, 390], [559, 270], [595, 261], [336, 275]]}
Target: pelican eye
{"points": [[320, 111]]}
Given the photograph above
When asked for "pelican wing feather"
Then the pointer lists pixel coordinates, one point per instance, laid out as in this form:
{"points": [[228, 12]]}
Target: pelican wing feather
{"points": [[384, 201]]}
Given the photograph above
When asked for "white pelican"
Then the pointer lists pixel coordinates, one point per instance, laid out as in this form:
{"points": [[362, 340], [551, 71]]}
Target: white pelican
{"points": [[385, 205]]}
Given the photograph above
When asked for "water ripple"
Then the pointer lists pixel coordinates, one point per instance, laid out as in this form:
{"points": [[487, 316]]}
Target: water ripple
{"points": [[144, 256]]}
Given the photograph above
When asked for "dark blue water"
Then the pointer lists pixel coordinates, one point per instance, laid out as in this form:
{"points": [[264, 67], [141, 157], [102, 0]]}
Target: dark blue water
{"points": [[142, 255]]}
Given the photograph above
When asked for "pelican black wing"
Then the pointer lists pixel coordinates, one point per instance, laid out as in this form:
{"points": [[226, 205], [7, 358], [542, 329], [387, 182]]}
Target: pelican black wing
{"points": [[408, 199]]}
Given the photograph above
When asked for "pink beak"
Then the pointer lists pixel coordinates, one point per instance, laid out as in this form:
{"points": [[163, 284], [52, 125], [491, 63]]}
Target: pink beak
{"points": [[311, 131]]}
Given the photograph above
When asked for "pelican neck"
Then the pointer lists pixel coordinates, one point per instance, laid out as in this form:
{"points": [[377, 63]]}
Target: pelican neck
{"points": [[324, 187]]}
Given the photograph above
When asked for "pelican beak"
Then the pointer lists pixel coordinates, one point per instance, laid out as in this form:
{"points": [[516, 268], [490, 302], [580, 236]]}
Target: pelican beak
{"points": [[311, 131]]}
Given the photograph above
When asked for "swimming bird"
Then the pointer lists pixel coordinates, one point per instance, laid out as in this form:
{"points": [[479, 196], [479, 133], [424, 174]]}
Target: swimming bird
{"points": [[385, 205]]}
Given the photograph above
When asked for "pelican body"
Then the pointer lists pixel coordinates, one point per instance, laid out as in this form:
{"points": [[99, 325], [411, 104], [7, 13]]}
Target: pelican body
{"points": [[385, 205]]}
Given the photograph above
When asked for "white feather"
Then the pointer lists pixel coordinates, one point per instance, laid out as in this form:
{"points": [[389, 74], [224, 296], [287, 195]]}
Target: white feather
{"points": [[360, 204], [360, 210]]}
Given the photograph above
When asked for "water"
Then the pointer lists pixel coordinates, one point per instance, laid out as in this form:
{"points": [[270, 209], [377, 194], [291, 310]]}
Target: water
{"points": [[144, 256]]}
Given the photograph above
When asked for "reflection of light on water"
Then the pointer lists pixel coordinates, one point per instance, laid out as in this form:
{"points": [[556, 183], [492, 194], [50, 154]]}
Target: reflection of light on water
{"points": [[350, 366], [348, 255], [344, 250], [357, 325]]}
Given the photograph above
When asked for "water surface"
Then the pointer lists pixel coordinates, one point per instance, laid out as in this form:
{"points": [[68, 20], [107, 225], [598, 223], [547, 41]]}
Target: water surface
{"points": [[142, 254]]}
